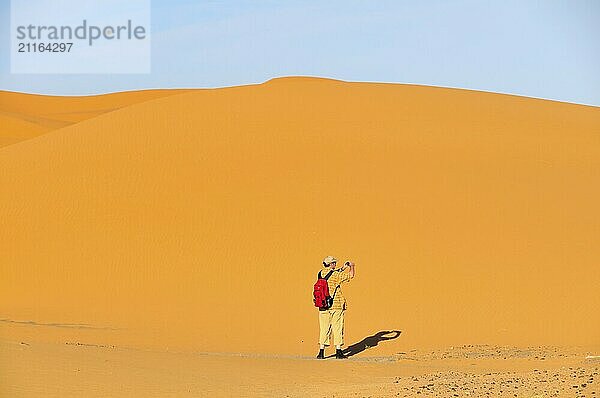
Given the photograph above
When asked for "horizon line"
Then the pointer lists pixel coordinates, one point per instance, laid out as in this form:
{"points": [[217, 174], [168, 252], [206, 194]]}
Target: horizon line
{"points": [[313, 77]]}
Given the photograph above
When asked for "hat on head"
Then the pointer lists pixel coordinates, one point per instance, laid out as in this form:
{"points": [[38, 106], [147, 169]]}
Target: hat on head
{"points": [[329, 259]]}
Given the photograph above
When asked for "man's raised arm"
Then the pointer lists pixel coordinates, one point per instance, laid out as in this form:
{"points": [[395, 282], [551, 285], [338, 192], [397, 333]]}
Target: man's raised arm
{"points": [[352, 272]]}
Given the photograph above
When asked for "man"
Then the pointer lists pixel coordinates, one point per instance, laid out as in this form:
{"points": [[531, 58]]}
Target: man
{"points": [[331, 320]]}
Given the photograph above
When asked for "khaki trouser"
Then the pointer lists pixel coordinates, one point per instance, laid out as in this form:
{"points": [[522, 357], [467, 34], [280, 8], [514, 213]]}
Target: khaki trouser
{"points": [[331, 321]]}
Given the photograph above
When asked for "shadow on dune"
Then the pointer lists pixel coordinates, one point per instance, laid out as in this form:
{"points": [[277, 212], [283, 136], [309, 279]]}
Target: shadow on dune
{"points": [[371, 341]]}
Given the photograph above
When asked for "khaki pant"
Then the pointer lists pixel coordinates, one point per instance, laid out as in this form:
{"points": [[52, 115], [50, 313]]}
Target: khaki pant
{"points": [[331, 321]]}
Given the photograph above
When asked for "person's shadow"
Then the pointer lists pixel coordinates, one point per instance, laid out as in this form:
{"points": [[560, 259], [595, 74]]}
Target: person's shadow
{"points": [[371, 341]]}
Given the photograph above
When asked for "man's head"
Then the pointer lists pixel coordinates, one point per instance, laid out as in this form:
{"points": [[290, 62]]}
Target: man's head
{"points": [[330, 261]]}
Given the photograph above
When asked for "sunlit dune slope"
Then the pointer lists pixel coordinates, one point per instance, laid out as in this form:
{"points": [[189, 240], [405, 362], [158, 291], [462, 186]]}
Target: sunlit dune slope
{"points": [[15, 129], [198, 221], [24, 116]]}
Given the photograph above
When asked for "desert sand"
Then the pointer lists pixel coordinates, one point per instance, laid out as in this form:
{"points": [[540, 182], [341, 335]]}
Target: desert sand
{"points": [[24, 116], [165, 242]]}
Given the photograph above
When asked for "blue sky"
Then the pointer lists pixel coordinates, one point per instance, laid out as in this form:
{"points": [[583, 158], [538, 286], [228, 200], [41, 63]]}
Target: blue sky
{"points": [[545, 49]]}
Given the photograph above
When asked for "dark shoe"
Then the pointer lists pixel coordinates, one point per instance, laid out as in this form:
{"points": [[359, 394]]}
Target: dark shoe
{"points": [[321, 354], [339, 354]]}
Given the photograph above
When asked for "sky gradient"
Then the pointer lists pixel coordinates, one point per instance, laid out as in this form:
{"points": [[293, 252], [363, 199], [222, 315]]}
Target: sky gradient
{"points": [[544, 49]]}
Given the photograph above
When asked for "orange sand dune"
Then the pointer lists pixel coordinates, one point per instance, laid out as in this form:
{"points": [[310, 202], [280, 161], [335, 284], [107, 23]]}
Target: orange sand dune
{"points": [[23, 116], [198, 221]]}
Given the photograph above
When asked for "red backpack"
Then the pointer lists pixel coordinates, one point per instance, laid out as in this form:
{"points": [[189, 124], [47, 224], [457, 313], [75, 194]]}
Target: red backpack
{"points": [[321, 296]]}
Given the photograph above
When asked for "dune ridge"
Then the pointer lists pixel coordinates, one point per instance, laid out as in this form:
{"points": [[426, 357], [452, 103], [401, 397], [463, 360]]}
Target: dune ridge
{"points": [[25, 116]]}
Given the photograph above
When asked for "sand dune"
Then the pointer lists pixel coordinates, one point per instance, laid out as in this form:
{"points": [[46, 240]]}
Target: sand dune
{"points": [[24, 116], [197, 221]]}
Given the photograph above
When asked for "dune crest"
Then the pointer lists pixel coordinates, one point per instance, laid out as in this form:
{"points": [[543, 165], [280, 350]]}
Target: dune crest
{"points": [[25, 116]]}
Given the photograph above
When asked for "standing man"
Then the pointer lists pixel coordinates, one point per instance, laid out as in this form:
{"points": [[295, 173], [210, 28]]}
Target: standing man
{"points": [[331, 320]]}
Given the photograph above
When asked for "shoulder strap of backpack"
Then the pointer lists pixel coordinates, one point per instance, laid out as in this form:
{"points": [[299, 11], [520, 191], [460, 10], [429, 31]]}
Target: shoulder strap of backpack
{"points": [[326, 276], [336, 288], [335, 291]]}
